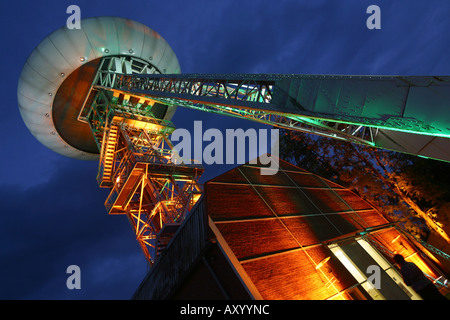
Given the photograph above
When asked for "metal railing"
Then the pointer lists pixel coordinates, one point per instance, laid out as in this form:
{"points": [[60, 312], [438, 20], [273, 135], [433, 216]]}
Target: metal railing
{"points": [[181, 253]]}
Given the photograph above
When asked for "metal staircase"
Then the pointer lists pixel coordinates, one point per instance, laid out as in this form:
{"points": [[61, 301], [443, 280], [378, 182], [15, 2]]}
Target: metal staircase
{"points": [[107, 157]]}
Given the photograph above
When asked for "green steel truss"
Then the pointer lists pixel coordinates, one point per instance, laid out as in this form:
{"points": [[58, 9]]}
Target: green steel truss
{"points": [[405, 114]]}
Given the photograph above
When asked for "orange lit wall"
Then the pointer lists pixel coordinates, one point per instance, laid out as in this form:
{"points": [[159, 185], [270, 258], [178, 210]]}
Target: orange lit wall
{"points": [[276, 226]]}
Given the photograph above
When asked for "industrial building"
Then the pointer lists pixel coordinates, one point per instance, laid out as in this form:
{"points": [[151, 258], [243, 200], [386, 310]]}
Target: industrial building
{"points": [[292, 235]]}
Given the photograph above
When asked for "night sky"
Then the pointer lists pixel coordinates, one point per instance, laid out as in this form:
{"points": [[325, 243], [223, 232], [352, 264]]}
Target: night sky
{"points": [[52, 212]]}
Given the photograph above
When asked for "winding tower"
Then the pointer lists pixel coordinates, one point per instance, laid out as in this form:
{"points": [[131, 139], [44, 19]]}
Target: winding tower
{"points": [[108, 91]]}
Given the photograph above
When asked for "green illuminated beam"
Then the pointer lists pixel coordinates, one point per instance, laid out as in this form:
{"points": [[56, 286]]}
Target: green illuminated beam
{"points": [[405, 114], [409, 104]]}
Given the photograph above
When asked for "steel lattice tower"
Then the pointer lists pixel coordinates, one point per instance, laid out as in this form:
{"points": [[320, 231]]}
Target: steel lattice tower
{"points": [[136, 163]]}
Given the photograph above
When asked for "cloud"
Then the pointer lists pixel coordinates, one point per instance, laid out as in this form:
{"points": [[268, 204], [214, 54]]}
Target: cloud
{"points": [[50, 226]]}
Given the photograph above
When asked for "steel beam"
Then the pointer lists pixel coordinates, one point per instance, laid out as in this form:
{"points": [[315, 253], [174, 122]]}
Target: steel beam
{"points": [[404, 114]]}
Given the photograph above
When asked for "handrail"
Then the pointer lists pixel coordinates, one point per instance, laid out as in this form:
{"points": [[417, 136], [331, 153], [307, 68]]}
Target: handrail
{"points": [[176, 259]]}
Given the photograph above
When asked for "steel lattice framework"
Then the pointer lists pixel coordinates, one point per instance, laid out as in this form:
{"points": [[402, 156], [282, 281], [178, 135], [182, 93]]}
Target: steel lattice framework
{"points": [[404, 114], [137, 164]]}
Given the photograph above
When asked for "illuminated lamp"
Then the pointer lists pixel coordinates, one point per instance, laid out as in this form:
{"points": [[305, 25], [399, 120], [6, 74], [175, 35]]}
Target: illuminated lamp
{"points": [[321, 263]]}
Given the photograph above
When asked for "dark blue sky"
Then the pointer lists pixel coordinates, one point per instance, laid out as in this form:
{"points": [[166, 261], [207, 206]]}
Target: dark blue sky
{"points": [[52, 212]]}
